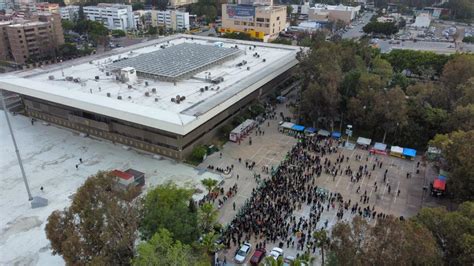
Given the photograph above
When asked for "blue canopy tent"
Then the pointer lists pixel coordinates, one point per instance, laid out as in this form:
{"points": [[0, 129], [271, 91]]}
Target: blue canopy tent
{"points": [[298, 128], [310, 130], [442, 177], [409, 153], [336, 134]]}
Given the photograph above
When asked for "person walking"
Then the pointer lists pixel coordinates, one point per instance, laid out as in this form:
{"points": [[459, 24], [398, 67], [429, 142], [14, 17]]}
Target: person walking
{"points": [[233, 205]]}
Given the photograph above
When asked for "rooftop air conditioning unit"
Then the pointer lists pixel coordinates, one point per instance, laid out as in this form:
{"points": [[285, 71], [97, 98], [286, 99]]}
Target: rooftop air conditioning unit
{"points": [[147, 94], [182, 98], [201, 89], [129, 97], [108, 94], [69, 78], [173, 100], [264, 60], [119, 97], [248, 68], [51, 77], [107, 74], [153, 90], [129, 86], [96, 77], [146, 83], [156, 99]]}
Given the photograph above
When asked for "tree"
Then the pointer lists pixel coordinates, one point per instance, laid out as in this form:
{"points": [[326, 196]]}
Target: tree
{"points": [[138, 6], [457, 148], [198, 153], [67, 25], [457, 71], [207, 217], [453, 231], [209, 183], [166, 206], [289, 10], [461, 9], [321, 240], [209, 243], [118, 33], [386, 28], [161, 249], [389, 242], [270, 261], [100, 226]]}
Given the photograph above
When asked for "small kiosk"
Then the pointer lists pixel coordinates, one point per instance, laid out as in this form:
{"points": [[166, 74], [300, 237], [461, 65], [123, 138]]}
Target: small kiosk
{"points": [[324, 133], [363, 142], [298, 128], [379, 148], [286, 126], [336, 134], [242, 130], [396, 151], [409, 153]]}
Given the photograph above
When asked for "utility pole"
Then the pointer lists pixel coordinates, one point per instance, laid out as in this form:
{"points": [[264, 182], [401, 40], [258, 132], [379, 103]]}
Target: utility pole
{"points": [[16, 148]]}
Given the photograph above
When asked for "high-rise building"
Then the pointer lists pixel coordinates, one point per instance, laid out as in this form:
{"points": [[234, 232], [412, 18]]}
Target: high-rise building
{"points": [[173, 19], [113, 16], [260, 22], [21, 40], [69, 12]]}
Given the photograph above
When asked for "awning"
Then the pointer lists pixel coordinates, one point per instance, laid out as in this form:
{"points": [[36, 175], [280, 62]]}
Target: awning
{"points": [[409, 152], [287, 125], [363, 141], [336, 134], [324, 133], [380, 146], [310, 129], [396, 149], [439, 184], [297, 128]]}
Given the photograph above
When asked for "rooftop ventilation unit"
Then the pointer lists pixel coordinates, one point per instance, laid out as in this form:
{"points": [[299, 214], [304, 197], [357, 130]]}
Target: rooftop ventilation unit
{"points": [[119, 97], [147, 94], [69, 78], [51, 77], [96, 77], [156, 99], [108, 94], [153, 90]]}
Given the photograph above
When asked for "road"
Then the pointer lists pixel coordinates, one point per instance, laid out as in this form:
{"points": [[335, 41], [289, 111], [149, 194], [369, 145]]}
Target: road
{"points": [[355, 32]]}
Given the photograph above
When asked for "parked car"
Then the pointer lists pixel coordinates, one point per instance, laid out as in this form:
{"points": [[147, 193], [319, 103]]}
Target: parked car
{"points": [[276, 253], [242, 253], [258, 256]]}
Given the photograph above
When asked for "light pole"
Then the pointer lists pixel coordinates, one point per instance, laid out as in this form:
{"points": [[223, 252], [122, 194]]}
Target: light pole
{"points": [[16, 148]]}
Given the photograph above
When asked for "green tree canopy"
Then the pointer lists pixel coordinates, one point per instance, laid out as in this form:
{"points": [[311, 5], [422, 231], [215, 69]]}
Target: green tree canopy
{"points": [[167, 206], [100, 226]]}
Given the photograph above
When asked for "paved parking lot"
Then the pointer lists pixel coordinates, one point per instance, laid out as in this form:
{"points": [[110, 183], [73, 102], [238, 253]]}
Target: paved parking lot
{"points": [[270, 148]]}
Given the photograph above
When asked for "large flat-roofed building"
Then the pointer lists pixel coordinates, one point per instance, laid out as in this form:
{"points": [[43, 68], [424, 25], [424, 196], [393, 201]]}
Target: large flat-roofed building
{"points": [[261, 22], [121, 97], [113, 16], [339, 12]]}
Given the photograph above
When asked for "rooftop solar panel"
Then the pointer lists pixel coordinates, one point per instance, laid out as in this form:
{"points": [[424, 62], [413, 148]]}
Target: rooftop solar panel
{"points": [[177, 61]]}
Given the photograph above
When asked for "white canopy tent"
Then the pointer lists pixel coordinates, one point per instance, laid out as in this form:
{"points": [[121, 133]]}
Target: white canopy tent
{"points": [[363, 141], [287, 125], [324, 133]]}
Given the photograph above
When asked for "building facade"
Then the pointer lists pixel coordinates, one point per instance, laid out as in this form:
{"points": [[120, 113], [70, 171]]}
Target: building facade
{"points": [[260, 22], [113, 16], [335, 13], [31, 39], [181, 3], [172, 19], [69, 12], [47, 7]]}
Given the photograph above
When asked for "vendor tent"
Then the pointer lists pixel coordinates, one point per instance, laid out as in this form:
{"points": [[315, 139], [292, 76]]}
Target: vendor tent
{"points": [[336, 134], [433, 153], [324, 133], [310, 130], [379, 148], [409, 153], [396, 151], [364, 141], [439, 184], [297, 128], [287, 125]]}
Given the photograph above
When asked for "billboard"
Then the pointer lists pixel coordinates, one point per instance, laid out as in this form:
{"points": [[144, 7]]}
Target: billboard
{"points": [[242, 12]]}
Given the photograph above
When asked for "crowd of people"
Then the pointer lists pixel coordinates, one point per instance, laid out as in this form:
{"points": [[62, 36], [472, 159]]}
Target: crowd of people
{"points": [[270, 216]]}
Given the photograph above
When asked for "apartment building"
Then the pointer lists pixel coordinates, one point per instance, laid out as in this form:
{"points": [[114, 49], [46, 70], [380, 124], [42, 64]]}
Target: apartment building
{"points": [[47, 7], [69, 12], [181, 3], [172, 19], [40, 36], [339, 12], [261, 22], [113, 16]]}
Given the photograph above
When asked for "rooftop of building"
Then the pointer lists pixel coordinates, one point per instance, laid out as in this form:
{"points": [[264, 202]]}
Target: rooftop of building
{"points": [[29, 24], [89, 84], [335, 7]]}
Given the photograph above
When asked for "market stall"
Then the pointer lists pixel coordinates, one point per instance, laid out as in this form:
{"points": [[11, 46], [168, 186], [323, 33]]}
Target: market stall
{"points": [[336, 134], [242, 130], [363, 142], [433, 153], [396, 151], [298, 128], [310, 130], [409, 153], [379, 148], [324, 133]]}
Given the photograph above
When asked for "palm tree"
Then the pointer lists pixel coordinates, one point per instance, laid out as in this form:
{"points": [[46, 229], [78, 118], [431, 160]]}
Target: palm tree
{"points": [[207, 217], [209, 243], [270, 261], [209, 183], [321, 241], [306, 258]]}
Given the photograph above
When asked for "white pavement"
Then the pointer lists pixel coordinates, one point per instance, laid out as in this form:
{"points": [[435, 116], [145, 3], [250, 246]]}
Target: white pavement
{"points": [[49, 157]]}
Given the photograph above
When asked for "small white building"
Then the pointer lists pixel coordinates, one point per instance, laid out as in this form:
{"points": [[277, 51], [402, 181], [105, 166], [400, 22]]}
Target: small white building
{"points": [[423, 21], [339, 12], [172, 19], [113, 16], [69, 12]]}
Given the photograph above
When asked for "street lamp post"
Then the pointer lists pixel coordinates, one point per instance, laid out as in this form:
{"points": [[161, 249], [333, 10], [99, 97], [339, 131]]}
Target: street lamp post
{"points": [[16, 148]]}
